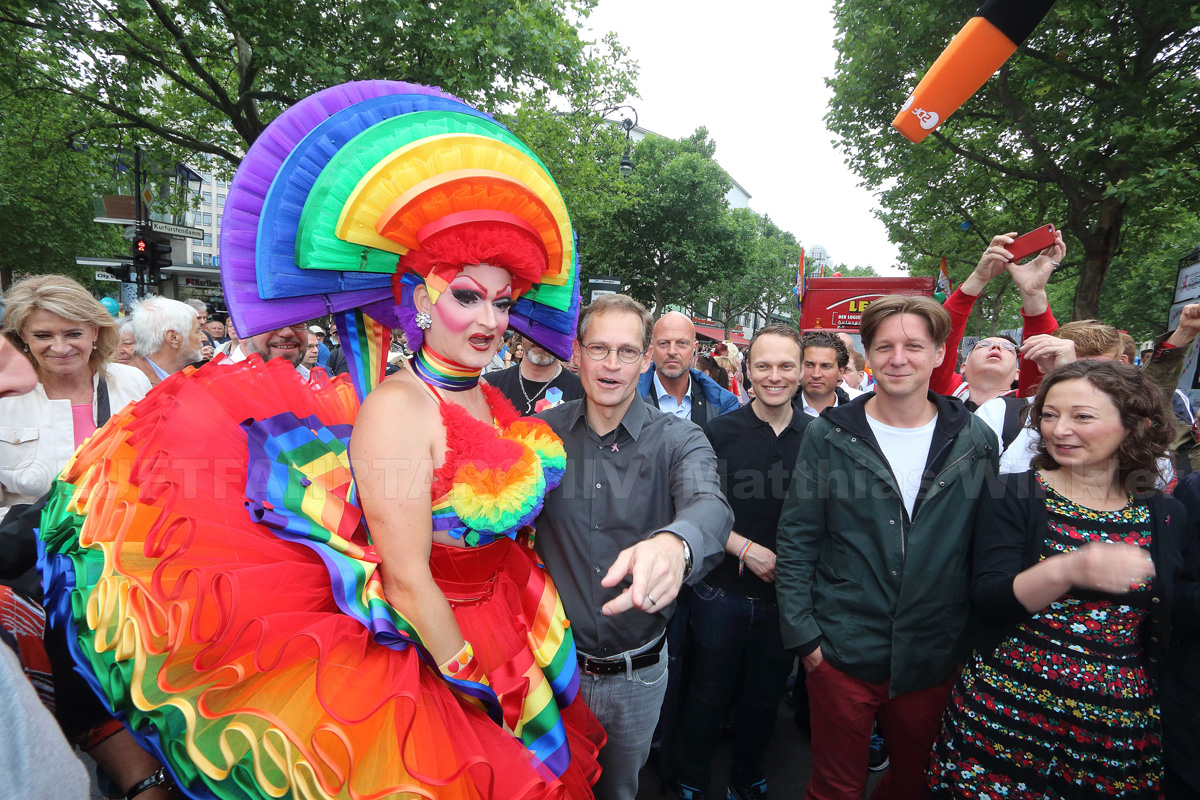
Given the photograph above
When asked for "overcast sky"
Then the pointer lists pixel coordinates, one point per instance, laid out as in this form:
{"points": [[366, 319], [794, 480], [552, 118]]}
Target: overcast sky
{"points": [[753, 73]]}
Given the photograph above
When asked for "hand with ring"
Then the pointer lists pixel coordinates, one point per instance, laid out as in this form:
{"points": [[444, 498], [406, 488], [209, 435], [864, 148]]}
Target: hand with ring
{"points": [[652, 565], [991, 264], [1112, 568]]}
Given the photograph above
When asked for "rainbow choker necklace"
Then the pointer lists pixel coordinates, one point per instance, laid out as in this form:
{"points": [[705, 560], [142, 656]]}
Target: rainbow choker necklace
{"points": [[442, 373]]}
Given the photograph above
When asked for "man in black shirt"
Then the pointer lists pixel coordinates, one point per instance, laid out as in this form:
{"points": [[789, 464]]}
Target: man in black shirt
{"points": [[735, 622], [537, 382]]}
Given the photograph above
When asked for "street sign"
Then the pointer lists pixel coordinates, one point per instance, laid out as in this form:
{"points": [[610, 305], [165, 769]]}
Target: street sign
{"points": [[601, 285], [101, 275], [176, 230], [1187, 283]]}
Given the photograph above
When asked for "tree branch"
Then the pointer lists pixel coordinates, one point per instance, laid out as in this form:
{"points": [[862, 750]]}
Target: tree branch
{"points": [[1045, 160], [990, 163], [147, 57], [224, 103], [1065, 66], [170, 135]]}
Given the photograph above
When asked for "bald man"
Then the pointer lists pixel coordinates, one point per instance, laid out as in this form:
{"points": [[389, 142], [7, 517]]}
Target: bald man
{"points": [[671, 385]]}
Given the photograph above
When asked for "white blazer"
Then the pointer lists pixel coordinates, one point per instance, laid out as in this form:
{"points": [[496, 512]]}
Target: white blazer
{"points": [[37, 435]]}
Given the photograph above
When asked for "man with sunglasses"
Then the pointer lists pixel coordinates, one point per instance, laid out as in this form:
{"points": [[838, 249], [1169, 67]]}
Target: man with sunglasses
{"points": [[639, 512]]}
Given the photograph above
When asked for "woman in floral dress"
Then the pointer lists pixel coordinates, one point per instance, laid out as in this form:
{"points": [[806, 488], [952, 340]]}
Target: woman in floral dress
{"points": [[1078, 563]]}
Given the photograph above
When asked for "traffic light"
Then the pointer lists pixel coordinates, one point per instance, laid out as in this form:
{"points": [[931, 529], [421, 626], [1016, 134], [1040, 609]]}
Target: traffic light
{"points": [[142, 250], [160, 254]]}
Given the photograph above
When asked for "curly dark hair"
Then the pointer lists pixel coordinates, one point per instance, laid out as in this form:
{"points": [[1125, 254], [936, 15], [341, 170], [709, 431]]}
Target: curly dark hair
{"points": [[825, 339], [1144, 412]]}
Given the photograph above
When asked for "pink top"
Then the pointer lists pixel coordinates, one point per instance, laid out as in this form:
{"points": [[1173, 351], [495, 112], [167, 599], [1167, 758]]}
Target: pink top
{"points": [[82, 422]]}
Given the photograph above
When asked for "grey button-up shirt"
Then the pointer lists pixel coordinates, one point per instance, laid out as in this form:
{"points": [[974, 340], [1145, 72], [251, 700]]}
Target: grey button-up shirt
{"points": [[655, 472]]}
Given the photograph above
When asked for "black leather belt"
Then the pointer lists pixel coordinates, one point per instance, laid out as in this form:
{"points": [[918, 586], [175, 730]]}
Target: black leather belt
{"points": [[617, 665]]}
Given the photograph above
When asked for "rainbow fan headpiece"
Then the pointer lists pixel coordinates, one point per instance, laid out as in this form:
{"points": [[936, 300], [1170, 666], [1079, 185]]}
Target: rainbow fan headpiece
{"points": [[361, 192]]}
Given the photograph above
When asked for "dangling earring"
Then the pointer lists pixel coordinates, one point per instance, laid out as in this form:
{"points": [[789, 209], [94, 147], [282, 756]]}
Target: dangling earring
{"points": [[424, 320], [95, 346]]}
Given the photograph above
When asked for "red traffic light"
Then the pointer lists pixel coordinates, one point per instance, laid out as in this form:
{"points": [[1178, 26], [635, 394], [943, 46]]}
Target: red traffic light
{"points": [[141, 252]]}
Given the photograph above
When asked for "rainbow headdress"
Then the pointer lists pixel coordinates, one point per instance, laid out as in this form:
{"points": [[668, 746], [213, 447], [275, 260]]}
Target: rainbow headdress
{"points": [[346, 201], [206, 552]]}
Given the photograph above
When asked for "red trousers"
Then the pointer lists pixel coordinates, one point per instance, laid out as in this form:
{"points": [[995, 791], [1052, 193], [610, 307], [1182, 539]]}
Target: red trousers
{"points": [[843, 710]]}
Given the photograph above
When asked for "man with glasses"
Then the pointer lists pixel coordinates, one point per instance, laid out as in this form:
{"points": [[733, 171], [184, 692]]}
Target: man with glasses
{"points": [[672, 384], [639, 511], [990, 370]]}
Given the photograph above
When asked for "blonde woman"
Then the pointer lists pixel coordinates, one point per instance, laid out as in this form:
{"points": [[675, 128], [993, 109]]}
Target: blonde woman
{"points": [[70, 339]]}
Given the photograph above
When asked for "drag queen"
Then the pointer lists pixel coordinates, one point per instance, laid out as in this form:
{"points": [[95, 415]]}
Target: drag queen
{"points": [[284, 596]]}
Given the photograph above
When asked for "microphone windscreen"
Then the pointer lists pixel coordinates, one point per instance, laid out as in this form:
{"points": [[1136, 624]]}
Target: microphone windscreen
{"points": [[973, 55]]}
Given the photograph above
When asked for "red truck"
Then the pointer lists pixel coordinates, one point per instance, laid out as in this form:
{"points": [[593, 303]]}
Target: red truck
{"points": [[838, 303]]}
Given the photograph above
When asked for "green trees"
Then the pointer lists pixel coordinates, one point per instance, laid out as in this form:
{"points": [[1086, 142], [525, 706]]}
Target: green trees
{"points": [[666, 230], [208, 75], [761, 277], [179, 78], [674, 232], [1091, 125], [45, 185]]}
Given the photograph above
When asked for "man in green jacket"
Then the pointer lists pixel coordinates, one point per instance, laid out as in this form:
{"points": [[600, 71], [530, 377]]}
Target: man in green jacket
{"points": [[872, 575]]}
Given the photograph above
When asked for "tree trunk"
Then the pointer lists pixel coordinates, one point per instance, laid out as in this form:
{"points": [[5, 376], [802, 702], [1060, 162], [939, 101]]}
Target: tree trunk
{"points": [[6, 278], [1099, 245]]}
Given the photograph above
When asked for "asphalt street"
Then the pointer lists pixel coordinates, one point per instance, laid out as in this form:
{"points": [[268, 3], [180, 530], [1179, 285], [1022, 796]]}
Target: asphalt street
{"points": [[789, 762]]}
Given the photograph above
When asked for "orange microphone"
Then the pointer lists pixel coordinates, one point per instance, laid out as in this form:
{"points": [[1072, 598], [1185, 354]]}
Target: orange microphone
{"points": [[972, 56]]}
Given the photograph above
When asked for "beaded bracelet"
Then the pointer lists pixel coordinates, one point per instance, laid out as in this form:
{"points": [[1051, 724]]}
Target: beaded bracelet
{"points": [[742, 557]]}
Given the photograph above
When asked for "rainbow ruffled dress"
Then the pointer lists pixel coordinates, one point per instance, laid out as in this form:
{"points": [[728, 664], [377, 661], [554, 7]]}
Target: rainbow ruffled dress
{"points": [[205, 551]]}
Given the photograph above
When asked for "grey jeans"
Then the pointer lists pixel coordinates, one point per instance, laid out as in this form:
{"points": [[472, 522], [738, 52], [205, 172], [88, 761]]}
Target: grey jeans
{"points": [[627, 705]]}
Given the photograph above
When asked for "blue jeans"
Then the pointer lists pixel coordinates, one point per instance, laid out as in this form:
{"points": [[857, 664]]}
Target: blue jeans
{"points": [[737, 645], [627, 705]]}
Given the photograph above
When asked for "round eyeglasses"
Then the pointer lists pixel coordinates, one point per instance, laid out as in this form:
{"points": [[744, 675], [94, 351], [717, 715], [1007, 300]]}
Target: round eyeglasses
{"points": [[1002, 344], [598, 352]]}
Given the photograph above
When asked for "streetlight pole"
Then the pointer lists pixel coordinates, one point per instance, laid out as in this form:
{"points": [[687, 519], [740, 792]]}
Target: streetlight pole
{"points": [[628, 125]]}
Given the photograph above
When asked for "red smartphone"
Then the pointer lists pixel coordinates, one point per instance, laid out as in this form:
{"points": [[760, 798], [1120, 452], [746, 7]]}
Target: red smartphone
{"points": [[1029, 243]]}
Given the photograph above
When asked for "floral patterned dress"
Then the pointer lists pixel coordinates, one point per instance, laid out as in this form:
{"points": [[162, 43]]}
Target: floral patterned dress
{"points": [[1063, 707]]}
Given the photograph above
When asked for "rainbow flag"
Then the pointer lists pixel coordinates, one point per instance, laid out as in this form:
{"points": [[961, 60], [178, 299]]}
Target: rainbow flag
{"points": [[365, 344], [943, 282], [801, 280]]}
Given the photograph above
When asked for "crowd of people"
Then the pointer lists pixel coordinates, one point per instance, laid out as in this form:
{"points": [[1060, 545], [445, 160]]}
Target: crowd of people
{"points": [[517, 564], [994, 567]]}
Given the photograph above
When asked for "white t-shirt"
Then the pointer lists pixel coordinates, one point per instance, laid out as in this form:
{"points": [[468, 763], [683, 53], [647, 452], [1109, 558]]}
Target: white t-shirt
{"points": [[906, 451], [992, 414], [850, 390]]}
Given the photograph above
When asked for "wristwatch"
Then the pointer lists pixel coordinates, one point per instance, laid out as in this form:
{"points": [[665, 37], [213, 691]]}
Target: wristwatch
{"points": [[687, 551], [687, 558]]}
